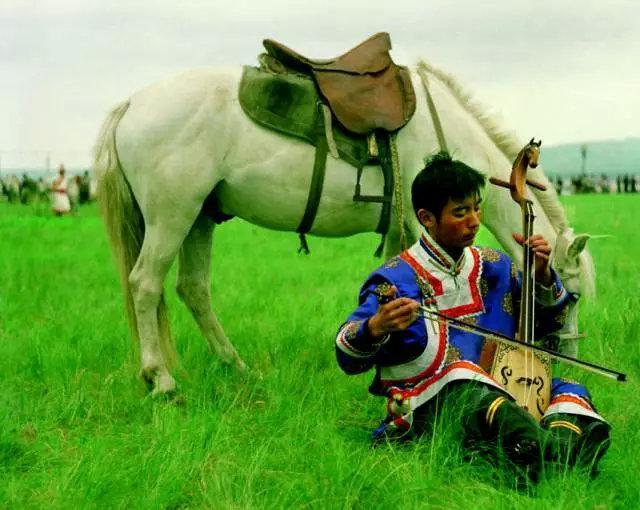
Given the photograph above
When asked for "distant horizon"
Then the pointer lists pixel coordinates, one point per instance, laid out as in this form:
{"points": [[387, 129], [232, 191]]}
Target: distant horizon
{"points": [[597, 141], [76, 166], [565, 156]]}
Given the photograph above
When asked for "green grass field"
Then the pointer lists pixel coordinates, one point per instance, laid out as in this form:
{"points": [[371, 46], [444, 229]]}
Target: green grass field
{"points": [[78, 431]]}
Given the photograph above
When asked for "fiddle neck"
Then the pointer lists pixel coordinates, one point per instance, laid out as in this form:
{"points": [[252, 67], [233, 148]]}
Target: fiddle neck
{"points": [[527, 290]]}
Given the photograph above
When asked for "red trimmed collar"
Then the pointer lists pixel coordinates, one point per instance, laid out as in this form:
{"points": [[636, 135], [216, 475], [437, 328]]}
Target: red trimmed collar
{"points": [[440, 256]]}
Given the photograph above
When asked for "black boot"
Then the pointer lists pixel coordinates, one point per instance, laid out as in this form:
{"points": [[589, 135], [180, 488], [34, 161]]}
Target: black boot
{"points": [[563, 438], [593, 444], [575, 440], [501, 427]]}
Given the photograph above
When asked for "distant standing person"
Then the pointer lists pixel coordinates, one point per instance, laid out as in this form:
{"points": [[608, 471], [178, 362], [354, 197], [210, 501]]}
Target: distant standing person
{"points": [[60, 200], [85, 182]]}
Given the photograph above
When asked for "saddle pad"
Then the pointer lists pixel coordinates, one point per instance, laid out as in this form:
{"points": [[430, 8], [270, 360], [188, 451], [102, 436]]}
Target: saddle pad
{"points": [[290, 104]]}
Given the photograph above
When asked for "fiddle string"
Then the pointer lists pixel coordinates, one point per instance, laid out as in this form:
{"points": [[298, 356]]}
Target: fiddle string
{"points": [[526, 279], [529, 295]]}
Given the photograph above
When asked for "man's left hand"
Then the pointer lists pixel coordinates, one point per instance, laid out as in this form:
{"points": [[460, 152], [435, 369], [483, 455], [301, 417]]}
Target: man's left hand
{"points": [[542, 253]]}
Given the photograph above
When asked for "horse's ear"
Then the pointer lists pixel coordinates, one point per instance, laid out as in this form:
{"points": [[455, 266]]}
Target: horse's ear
{"points": [[578, 244]]}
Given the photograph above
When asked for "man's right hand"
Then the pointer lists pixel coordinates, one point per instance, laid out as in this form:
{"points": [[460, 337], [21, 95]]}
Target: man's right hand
{"points": [[395, 315]]}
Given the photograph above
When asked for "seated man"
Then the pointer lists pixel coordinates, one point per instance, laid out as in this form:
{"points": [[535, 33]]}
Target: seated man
{"points": [[417, 359]]}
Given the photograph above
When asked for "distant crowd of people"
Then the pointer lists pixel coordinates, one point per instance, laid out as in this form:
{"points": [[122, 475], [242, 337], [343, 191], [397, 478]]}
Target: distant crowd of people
{"points": [[623, 183], [65, 193]]}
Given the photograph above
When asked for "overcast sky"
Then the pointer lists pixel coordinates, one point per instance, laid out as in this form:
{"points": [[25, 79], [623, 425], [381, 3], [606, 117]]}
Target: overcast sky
{"points": [[561, 70]]}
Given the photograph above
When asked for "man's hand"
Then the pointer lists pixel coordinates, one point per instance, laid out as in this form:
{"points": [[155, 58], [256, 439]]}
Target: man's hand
{"points": [[396, 315], [542, 252]]}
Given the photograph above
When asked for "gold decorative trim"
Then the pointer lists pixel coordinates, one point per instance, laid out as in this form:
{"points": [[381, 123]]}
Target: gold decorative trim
{"points": [[489, 254], [567, 425], [484, 287], [507, 303], [392, 262], [493, 408]]}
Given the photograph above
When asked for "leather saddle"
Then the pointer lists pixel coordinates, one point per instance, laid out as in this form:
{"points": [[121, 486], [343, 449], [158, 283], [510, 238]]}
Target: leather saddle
{"points": [[364, 88]]}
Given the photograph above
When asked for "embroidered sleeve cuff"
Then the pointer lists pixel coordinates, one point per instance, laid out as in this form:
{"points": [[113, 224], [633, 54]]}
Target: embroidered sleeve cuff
{"points": [[552, 295], [355, 340]]}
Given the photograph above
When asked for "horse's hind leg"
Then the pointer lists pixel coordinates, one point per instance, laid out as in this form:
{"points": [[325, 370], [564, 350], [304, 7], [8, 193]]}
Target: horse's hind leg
{"points": [[194, 288], [159, 248]]}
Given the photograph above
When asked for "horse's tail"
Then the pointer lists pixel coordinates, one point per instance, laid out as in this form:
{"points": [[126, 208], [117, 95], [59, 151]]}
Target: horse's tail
{"points": [[124, 222]]}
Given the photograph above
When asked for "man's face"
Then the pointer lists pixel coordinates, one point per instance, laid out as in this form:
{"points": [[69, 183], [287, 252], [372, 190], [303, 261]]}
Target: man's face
{"points": [[458, 224]]}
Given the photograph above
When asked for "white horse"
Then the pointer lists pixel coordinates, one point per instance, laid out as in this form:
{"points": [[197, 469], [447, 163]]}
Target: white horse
{"points": [[161, 153]]}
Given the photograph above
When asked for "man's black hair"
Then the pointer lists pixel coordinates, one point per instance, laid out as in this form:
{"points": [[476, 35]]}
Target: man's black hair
{"points": [[442, 179]]}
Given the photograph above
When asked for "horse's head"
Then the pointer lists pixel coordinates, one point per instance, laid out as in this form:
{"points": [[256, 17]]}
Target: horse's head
{"points": [[575, 268], [570, 259]]}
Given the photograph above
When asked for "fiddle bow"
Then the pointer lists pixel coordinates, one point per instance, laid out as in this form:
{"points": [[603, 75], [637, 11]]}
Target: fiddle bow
{"points": [[461, 324]]}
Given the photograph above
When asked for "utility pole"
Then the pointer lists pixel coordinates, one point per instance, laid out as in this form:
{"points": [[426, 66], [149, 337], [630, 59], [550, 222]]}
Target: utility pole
{"points": [[583, 153]]}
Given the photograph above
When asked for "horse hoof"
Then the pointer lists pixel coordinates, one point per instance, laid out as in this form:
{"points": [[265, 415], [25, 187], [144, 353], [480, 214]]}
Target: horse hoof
{"points": [[164, 385], [179, 400], [159, 382]]}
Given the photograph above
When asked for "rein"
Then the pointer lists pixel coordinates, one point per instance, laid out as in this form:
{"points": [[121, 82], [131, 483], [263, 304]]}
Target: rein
{"points": [[437, 125]]}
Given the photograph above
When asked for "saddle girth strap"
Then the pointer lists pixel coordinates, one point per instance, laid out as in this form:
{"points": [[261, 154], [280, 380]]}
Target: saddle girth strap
{"points": [[389, 163], [384, 157], [388, 159], [315, 192]]}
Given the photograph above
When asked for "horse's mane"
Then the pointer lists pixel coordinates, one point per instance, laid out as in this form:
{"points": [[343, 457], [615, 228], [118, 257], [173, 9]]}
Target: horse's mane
{"points": [[505, 140], [509, 145]]}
